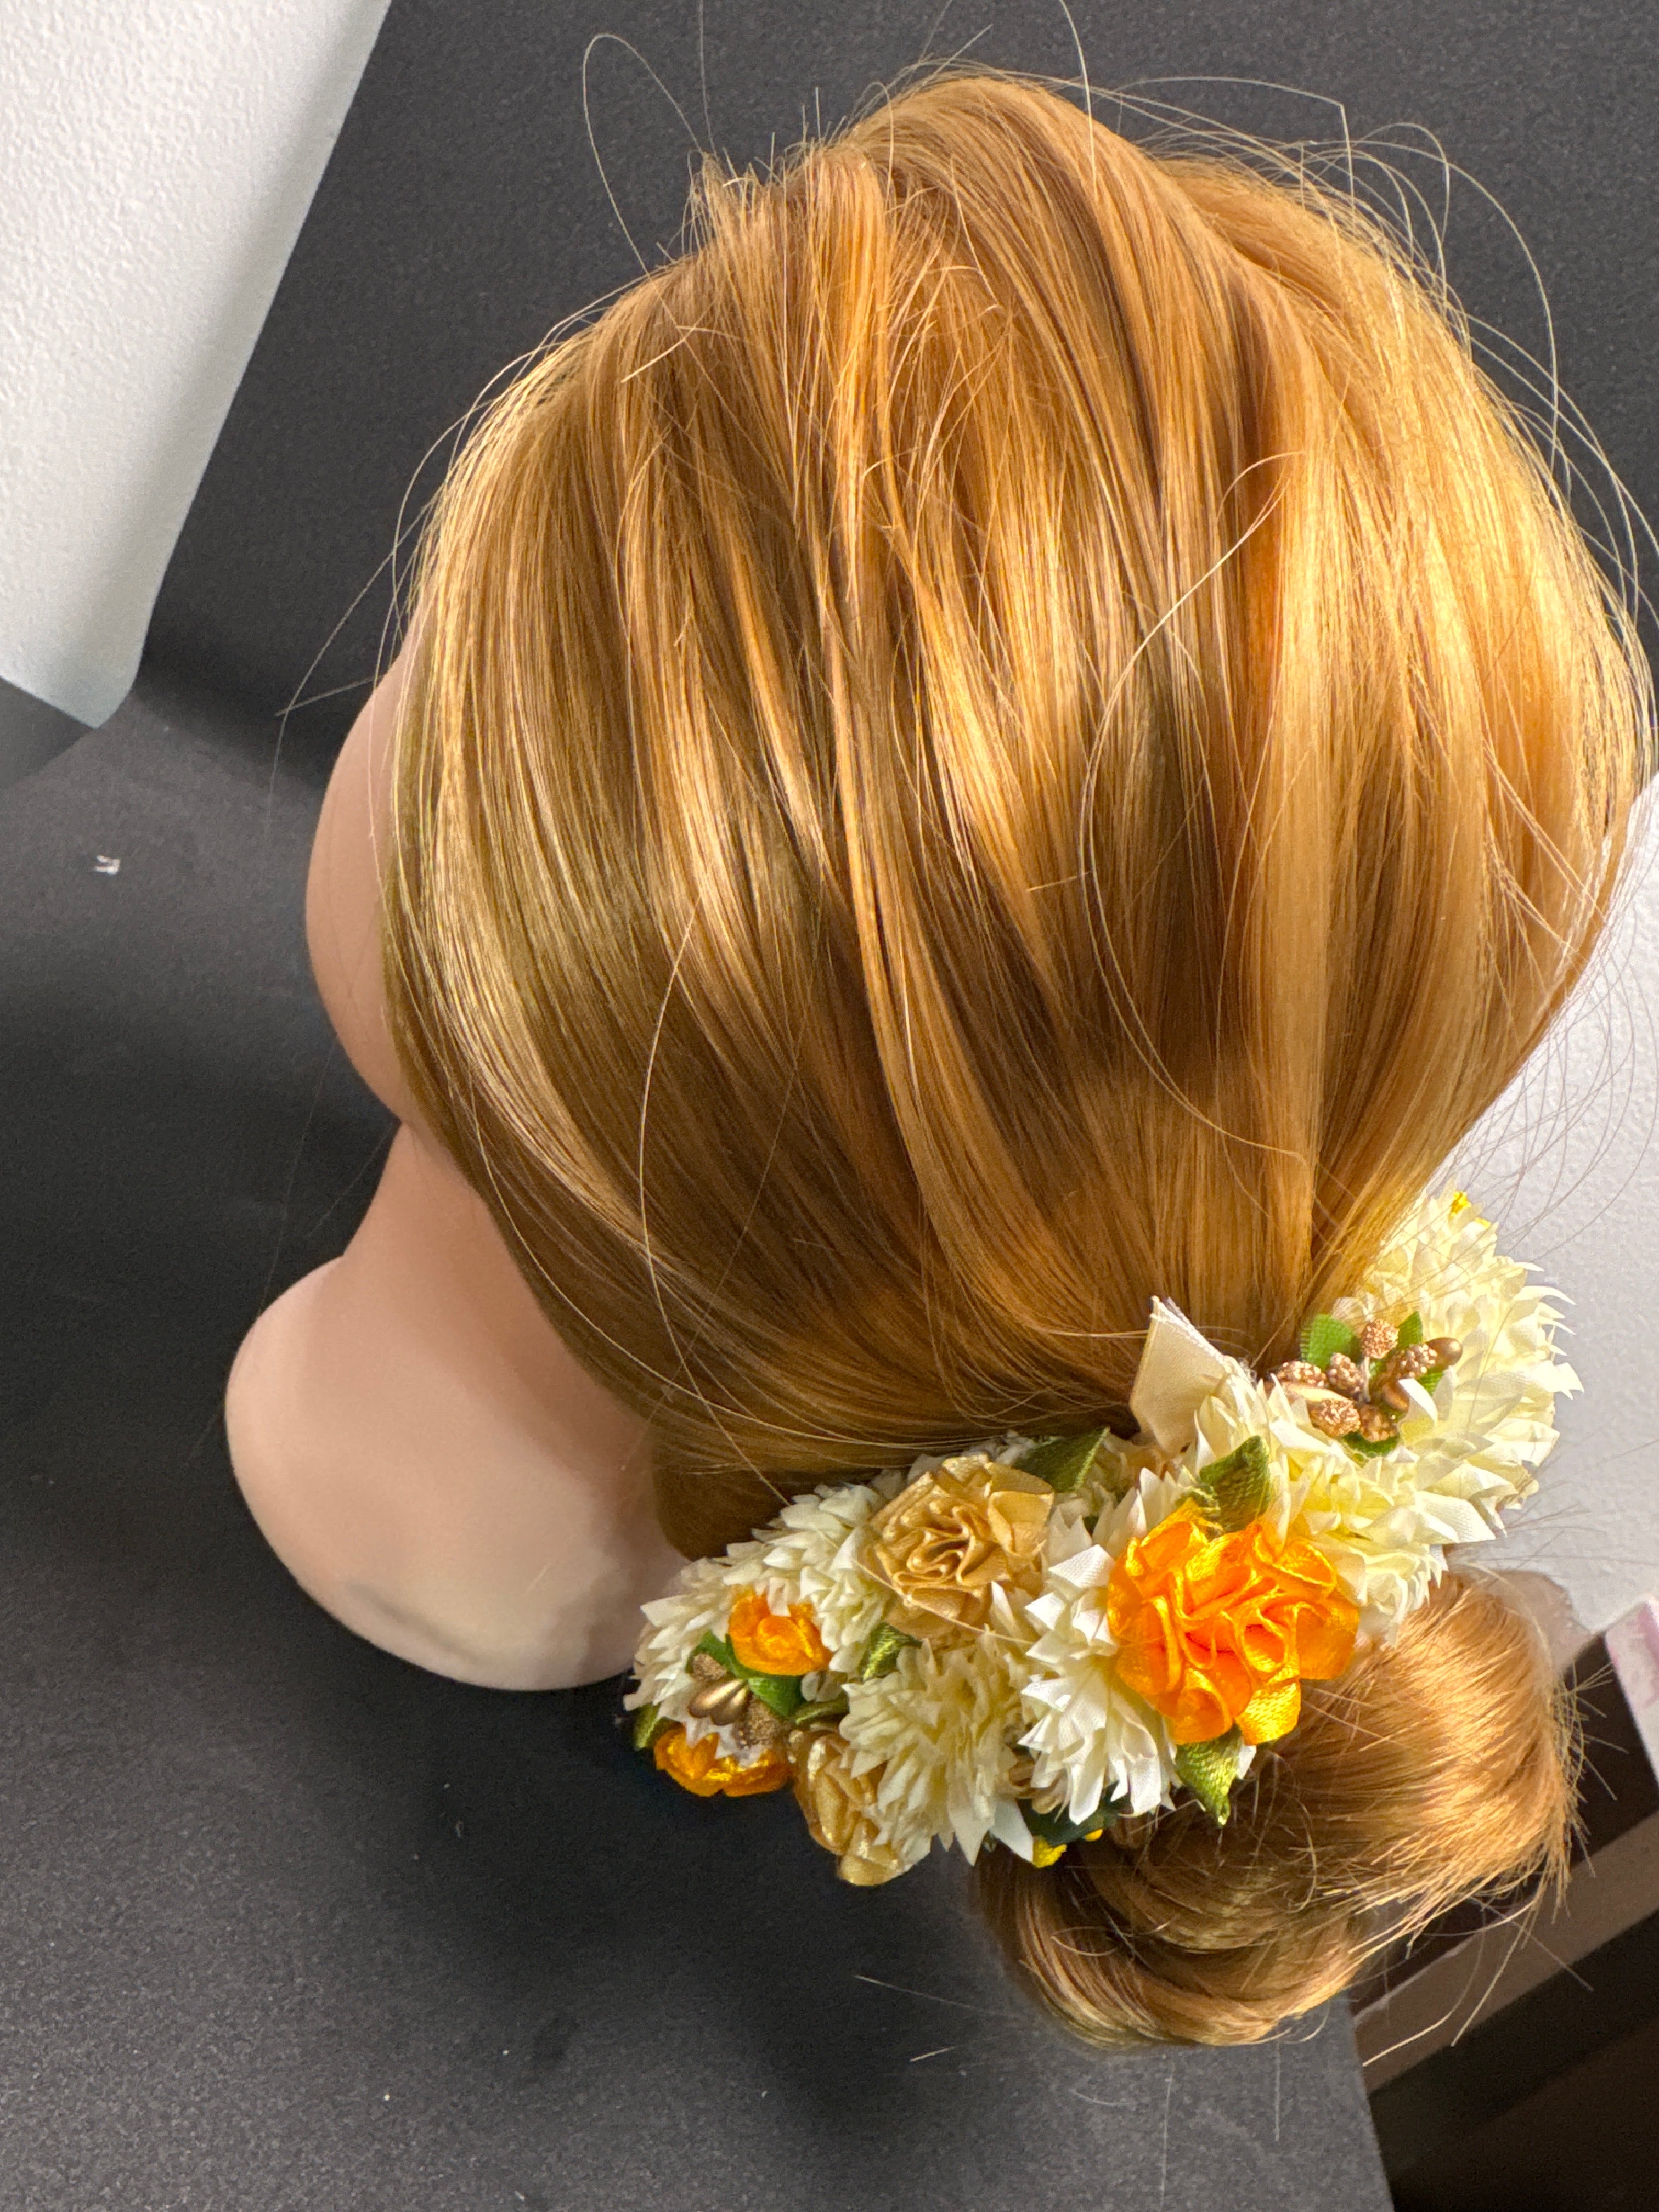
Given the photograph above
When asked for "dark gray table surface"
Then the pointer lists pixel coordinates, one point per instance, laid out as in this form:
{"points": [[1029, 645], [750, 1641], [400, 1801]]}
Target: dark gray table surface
{"points": [[285, 1923]]}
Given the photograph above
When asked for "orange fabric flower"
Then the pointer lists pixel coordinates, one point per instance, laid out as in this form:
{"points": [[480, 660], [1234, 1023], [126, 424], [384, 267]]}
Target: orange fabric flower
{"points": [[1219, 1632], [773, 1643], [700, 1767]]}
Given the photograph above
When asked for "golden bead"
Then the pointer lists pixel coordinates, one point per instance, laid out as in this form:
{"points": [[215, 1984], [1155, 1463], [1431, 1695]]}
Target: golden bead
{"points": [[1344, 1375], [720, 1702], [1337, 1416], [1302, 1373], [758, 1726]]}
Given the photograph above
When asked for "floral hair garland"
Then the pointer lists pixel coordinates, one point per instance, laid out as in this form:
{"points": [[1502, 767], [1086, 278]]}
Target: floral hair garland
{"points": [[1027, 1640]]}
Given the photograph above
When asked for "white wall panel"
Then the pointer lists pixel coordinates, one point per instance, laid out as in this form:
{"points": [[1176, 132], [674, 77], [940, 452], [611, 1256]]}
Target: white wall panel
{"points": [[1568, 1166], [159, 156]]}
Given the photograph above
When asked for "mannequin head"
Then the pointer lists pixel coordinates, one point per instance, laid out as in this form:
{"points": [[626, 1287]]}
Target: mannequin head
{"points": [[1018, 729]]}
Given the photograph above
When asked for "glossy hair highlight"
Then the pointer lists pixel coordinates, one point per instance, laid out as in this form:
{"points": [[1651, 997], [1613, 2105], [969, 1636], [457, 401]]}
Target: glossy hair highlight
{"points": [[1020, 727]]}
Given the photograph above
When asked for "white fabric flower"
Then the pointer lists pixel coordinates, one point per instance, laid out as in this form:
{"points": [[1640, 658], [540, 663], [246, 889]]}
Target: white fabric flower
{"points": [[1084, 1729], [809, 1556], [940, 1726], [1298, 1453], [700, 1602], [1469, 1453], [806, 1556]]}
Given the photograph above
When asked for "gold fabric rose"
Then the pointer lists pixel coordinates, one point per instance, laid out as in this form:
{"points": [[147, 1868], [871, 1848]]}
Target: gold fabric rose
{"points": [[948, 1536], [840, 1807]]}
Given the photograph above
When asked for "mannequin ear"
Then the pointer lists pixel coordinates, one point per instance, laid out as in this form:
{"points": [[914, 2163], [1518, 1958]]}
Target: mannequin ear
{"points": [[343, 892]]}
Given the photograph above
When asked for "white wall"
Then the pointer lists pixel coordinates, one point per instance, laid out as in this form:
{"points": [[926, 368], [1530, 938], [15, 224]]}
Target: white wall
{"points": [[1568, 1166], [159, 157]]}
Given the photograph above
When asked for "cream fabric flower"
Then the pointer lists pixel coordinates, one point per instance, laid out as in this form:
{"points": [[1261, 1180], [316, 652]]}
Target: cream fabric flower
{"points": [[939, 1729], [1469, 1453], [699, 1602], [810, 1555], [1086, 1731]]}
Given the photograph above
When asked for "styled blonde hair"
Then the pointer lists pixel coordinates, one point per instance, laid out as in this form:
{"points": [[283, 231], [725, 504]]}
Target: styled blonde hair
{"points": [[1019, 728]]}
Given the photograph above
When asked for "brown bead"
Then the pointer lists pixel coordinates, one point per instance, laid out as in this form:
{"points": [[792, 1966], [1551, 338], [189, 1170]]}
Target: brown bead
{"points": [[1337, 1416], [1390, 1394], [1344, 1375], [1377, 1339], [1447, 1350], [1376, 1424], [703, 1666], [1300, 1373]]}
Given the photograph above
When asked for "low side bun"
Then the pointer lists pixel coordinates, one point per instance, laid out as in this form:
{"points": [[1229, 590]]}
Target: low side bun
{"points": [[1441, 1767]]}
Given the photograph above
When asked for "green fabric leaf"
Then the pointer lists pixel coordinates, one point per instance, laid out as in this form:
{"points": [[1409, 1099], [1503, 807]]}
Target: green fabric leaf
{"points": [[780, 1692], [1062, 1462], [821, 1709], [881, 1653], [648, 1725], [1324, 1337], [1242, 1484], [1363, 1446], [1209, 1771], [716, 1647], [1057, 1829], [1411, 1331]]}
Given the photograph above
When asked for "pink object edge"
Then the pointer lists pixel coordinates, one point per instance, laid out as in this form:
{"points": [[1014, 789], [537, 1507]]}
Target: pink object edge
{"points": [[1633, 1647]]}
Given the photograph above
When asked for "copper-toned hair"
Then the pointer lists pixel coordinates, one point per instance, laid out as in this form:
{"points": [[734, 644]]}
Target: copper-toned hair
{"points": [[1020, 727]]}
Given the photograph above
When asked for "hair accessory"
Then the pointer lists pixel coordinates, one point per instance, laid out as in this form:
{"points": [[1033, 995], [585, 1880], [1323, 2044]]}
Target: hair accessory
{"points": [[1030, 1638]]}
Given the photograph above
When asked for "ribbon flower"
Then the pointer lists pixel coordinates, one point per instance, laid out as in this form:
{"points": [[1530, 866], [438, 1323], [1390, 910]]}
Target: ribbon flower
{"points": [[951, 1534], [1218, 1632], [706, 1771], [775, 1643]]}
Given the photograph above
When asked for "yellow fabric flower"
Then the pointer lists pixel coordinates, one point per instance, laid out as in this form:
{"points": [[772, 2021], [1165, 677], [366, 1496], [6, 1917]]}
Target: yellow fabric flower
{"points": [[948, 1536], [1221, 1631], [775, 1643], [703, 1769]]}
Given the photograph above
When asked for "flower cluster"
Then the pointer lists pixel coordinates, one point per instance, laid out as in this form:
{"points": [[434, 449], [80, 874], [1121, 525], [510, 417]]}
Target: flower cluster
{"points": [[1028, 1639]]}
